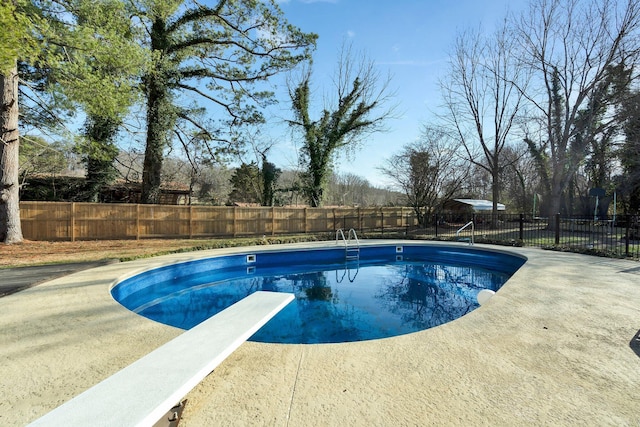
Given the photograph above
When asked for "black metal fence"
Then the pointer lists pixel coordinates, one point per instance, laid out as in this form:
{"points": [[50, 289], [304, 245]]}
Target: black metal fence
{"points": [[613, 237]]}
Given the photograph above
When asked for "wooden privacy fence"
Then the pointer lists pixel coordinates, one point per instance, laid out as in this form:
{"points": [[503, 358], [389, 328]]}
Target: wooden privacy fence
{"points": [[101, 221]]}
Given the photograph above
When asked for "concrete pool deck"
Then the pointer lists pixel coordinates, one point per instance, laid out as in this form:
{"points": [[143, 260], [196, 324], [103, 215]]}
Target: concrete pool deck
{"points": [[557, 345]]}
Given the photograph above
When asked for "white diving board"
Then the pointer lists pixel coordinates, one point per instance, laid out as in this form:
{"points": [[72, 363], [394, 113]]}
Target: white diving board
{"points": [[143, 392]]}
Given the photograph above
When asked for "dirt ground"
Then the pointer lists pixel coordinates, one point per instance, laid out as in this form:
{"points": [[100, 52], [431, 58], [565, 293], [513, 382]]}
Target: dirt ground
{"points": [[37, 253]]}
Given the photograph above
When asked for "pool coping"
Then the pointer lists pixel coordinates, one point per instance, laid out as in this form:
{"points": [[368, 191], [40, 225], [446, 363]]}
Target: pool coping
{"points": [[553, 346]]}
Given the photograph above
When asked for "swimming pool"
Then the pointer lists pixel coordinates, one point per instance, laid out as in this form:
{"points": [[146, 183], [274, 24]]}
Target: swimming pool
{"points": [[390, 290]]}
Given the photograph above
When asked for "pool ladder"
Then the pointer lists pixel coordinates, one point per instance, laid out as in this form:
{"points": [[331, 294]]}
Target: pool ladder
{"points": [[466, 239], [351, 248]]}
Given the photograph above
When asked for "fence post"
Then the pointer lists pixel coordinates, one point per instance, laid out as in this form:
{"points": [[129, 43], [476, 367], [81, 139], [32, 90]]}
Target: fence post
{"points": [[235, 221], [73, 222], [437, 220], [273, 220], [190, 221], [382, 223], [626, 234], [305, 220], [521, 227], [557, 240], [137, 221], [335, 228]]}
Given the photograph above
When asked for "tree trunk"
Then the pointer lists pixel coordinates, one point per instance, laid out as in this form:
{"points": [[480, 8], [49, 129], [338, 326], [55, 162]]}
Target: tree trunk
{"points": [[151, 174], [315, 198], [101, 155], [316, 193], [158, 125], [495, 194], [555, 203], [10, 228], [313, 181], [160, 115]]}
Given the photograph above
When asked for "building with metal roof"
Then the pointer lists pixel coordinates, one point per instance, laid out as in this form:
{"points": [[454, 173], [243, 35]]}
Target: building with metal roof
{"points": [[471, 205]]}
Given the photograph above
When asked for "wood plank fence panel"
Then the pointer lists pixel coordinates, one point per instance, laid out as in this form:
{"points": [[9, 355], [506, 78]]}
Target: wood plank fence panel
{"points": [[317, 220], [253, 221], [163, 221], [102, 221], [99, 222], [396, 217], [208, 221], [46, 220], [347, 218], [288, 220]]}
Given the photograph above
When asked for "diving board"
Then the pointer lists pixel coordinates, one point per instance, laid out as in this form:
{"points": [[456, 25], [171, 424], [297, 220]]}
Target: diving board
{"points": [[143, 392]]}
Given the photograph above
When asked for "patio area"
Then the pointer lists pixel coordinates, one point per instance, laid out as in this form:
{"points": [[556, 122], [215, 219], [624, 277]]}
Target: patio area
{"points": [[557, 345]]}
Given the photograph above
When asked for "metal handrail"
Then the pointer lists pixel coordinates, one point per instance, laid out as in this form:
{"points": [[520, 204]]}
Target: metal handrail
{"points": [[355, 237], [470, 223], [347, 240]]}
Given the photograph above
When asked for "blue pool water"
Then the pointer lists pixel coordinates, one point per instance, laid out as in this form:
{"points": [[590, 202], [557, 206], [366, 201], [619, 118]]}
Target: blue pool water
{"points": [[390, 290]]}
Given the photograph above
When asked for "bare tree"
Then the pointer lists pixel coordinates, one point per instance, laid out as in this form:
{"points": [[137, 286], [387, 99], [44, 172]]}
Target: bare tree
{"points": [[428, 171], [359, 111], [629, 180], [520, 182], [574, 49], [348, 190], [482, 99]]}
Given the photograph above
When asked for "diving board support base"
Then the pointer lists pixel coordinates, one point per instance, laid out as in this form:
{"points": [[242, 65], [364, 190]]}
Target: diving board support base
{"points": [[172, 417], [141, 393]]}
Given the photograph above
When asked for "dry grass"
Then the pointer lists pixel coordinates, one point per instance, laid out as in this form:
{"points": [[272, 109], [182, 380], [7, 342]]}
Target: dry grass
{"points": [[38, 253], [35, 252]]}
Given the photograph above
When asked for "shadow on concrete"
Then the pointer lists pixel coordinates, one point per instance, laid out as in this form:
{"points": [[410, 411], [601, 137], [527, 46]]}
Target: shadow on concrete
{"points": [[20, 278], [635, 344]]}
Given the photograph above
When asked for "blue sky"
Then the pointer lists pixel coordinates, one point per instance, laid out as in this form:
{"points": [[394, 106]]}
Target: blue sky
{"points": [[410, 39]]}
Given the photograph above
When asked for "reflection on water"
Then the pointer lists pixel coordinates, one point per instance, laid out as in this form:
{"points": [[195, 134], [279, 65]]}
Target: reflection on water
{"points": [[348, 302]]}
